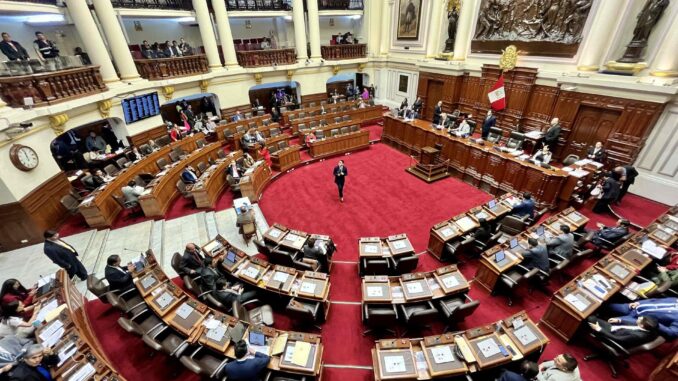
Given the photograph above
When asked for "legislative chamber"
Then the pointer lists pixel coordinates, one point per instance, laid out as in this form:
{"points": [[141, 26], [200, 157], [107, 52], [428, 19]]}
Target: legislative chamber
{"points": [[295, 190]]}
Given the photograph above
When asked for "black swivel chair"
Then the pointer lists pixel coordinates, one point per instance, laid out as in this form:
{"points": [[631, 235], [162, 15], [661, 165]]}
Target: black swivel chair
{"points": [[407, 264], [379, 317], [515, 140], [456, 309], [418, 316], [612, 352], [374, 266], [514, 277], [204, 362], [494, 135], [304, 313]]}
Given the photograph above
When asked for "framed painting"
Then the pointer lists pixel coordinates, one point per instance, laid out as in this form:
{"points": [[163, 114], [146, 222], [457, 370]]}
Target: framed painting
{"points": [[409, 19]]}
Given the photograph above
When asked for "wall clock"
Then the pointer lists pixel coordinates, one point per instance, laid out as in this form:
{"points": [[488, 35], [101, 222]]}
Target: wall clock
{"points": [[23, 157]]}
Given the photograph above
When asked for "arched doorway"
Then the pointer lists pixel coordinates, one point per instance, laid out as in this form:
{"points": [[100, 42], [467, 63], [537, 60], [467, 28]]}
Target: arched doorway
{"points": [[203, 104], [69, 148], [286, 93]]}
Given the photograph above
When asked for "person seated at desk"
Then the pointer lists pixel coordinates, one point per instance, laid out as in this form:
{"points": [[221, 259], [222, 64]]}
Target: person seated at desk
{"points": [[667, 273], [191, 260], [11, 348], [147, 51], [537, 256], [209, 274], [209, 126], [12, 321], [134, 154], [596, 153], [132, 191], [35, 365], [563, 367], [447, 121], [226, 293], [188, 175], [310, 138], [528, 371], [416, 106], [362, 104], [101, 176], [118, 277], [464, 128], [275, 115], [238, 116], [411, 114], [644, 330], [542, 156], [609, 233], [563, 244], [484, 231], [664, 310], [312, 251], [13, 291], [251, 138], [525, 207], [95, 143], [175, 133], [403, 104], [234, 170], [248, 364], [247, 161]]}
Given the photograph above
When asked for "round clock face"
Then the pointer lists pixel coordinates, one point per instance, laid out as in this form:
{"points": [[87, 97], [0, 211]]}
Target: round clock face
{"points": [[24, 158]]}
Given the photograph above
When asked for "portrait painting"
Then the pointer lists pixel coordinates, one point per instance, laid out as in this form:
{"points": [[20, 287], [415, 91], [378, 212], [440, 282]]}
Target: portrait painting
{"points": [[409, 19]]}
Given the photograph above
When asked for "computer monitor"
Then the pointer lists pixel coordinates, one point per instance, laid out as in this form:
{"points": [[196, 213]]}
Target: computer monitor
{"points": [[257, 338], [499, 256], [492, 204], [230, 256], [514, 243], [540, 230]]}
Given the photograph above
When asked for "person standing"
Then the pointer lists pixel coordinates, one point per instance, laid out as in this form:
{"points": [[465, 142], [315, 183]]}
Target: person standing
{"points": [[627, 176], [340, 173], [12, 49], [44, 48], [437, 112], [489, 122], [63, 255], [552, 134], [609, 192]]}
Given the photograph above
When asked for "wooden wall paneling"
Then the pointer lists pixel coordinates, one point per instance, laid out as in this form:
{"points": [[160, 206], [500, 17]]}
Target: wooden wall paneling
{"points": [[317, 98], [16, 226], [339, 86], [44, 203], [633, 128], [537, 115], [144, 137], [226, 113]]}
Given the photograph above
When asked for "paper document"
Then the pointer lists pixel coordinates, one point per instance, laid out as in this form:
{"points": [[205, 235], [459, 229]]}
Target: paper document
{"points": [[414, 287], [576, 302], [399, 245], [302, 350], [44, 280], [251, 272], [447, 232], [292, 237], [50, 329], [394, 364], [83, 373], [216, 334], [619, 271], [275, 233], [650, 247], [164, 300], [396, 292], [525, 335], [450, 281], [289, 352], [280, 276], [279, 344], [465, 223], [53, 339], [595, 288], [442, 355], [488, 347], [211, 323], [66, 353], [308, 287], [375, 291], [53, 314], [47, 308], [148, 282], [420, 359], [184, 311], [371, 249]]}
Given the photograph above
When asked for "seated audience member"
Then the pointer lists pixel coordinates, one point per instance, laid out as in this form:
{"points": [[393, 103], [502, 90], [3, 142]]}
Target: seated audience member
{"points": [[609, 191], [667, 273], [191, 260], [11, 348], [12, 49], [90, 181], [542, 156], [610, 233], [175, 48], [147, 51], [362, 104], [132, 191], [175, 133], [525, 207], [464, 128], [110, 138], [528, 371], [596, 153], [664, 310], [642, 331], [248, 364], [134, 154], [186, 49], [484, 231], [209, 274], [12, 320], [537, 256], [188, 175], [234, 170], [238, 116], [35, 364], [157, 51], [168, 51], [312, 251], [310, 138], [118, 277], [562, 368], [103, 176], [247, 161], [226, 293], [13, 291], [563, 244], [84, 57], [246, 216], [95, 143], [209, 125]]}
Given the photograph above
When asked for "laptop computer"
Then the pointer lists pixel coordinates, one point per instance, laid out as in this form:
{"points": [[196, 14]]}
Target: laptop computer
{"points": [[237, 332], [514, 243], [257, 338], [500, 258], [540, 231], [231, 257]]}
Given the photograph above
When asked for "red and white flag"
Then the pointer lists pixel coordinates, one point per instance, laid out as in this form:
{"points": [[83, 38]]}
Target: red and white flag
{"points": [[497, 95]]}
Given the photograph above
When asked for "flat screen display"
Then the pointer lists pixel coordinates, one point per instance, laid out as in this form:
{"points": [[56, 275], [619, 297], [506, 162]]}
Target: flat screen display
{"points": [[140, 107]]}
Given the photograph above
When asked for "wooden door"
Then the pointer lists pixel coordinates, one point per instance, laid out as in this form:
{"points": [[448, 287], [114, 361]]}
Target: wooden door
{"points": [[591, 125], [434, 93]]}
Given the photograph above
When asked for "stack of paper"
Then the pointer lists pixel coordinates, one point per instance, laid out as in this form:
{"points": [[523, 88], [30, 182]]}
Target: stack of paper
{"points": [[442, 355]]}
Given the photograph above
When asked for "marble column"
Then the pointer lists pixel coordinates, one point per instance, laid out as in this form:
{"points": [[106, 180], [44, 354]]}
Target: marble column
{"points": [[116, 39], [438, 9], [386, 14], [598, 39], [665, 64], [299, 29], [225, 35], [91, 38], [464, 28], [314, 29], [209, 40]]}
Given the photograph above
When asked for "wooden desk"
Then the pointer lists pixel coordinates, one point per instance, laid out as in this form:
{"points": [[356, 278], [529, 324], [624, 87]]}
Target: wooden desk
{"points": [[293, 241], [386, 248], [337, 144], [212, 182], [357, 115], [286, 158], [254, 181]]}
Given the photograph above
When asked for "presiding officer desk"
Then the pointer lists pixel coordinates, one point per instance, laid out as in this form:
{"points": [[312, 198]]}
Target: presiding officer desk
{"points": [[613, 274], [100, 208], [67, 330], [212, 182], [186, 315], [455, 354], [481, 165]]}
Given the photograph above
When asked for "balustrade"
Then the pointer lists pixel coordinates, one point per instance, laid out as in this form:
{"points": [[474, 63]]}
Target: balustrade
{"points": [[174, 67], [255, 58], [186, 5], [343, 52]]}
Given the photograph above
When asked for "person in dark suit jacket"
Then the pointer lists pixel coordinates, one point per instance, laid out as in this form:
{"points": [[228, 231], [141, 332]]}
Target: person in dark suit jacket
{"points": [[12, 49], [188, 175], [484, 231], [489, 122], [536, 256], [627, 176], [118, 278], [227, 293], [610, 193], [35, 365], [311, 251], [248, 364], [210, 274], [563, 244], [147, 51], [437, 112], [416, 106], [628, 336], [596, 153], [525, 208], [63, 255], [340, 173], [610, 233], [191, 260], [552, 134], [664, 310]]}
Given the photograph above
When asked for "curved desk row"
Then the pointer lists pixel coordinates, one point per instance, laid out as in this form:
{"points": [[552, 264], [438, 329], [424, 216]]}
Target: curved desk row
{"points": [[279, 237], [481, 165], [212, 182], [292, 115], [68, 331], [254, 180], [187, 316], [357, 115], [347, 142], [455, 354]]}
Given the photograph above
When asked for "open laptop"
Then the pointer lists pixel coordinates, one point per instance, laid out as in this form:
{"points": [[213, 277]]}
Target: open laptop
{"points": [[500, 258], [231, 257], [257, 338], [515, 243]]}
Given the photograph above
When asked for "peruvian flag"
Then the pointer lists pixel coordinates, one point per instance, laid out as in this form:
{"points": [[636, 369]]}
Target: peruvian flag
{"points": [[497, 95]]}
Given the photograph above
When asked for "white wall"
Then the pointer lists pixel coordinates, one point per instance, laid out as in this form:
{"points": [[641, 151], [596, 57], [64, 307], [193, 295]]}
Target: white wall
{"points": [[387, 82], [161, 30], [65, 36]]}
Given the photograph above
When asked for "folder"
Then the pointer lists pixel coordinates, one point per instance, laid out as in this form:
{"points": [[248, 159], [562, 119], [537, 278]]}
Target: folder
{"points": [[279, 344], [302, 350]]}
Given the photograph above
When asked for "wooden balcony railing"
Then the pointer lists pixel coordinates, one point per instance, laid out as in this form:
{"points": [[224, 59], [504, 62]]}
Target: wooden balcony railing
{"points": [[184, 5], [254, 58], [258, 5], [343, 52], [51, 87], [340, 4], [163, 68]]}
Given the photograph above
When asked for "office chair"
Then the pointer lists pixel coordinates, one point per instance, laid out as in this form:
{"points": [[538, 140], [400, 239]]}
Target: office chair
{"points": [[145, 149], [379, 317], [302, 115], [248, 231], [164, 339], [202, 167], [174, 156], [512, 225], [374, 266], [111, 170], [266, 122], [142, 323], [204, 362], [282, 145], [343, 130], [128, 302], [176, 264], [418, 316], [406, 264], [262, 248], [515, 140], [311, 104], [133, 208], [122, 162], [495, 135], [181, 187], [248, 115], [295, 260], [514, 277], [258, 315], [603, 244], [239, 129], [302, 127], [221, 154], [163, 141], [612, 352], [337, 119], [570, 159], [346, 118], [275, 132], [354, 128], [557, 267], [334, 132], [456, 309], [304, 313], [192, 285], [233, 184], [537, 216], [453, 250], [320, 134], [200, 143], [478, 247], [313, 124], [97, 287], [161, 163], [70, 204]]}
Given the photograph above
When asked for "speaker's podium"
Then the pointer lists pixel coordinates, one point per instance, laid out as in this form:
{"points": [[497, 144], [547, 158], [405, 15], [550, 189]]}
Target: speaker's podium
{"points": [[427, 169]]}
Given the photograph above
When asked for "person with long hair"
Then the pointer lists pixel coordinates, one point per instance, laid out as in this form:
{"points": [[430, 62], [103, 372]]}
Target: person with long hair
{"points": [[12, 322], [13, 291]]}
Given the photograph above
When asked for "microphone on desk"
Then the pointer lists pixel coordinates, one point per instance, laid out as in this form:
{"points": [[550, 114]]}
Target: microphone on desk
{"points": [[133, 251]]}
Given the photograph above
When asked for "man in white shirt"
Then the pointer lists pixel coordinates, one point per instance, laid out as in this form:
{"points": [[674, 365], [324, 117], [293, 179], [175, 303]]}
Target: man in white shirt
{"points": [[464, 128], [132, 191]]}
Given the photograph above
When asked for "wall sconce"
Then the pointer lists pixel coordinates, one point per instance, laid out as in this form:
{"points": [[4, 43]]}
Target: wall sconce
{"points": [[248, 24], [331, 21]]}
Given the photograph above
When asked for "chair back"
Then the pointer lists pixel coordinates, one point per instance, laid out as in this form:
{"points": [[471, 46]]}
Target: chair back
{"points": [[174, 156], [313, 124], [512, 225], [570, 159], [191, 285], [334, 132], [200, 143], [495, 135], [70, 203], [161, 163], [380, 315], [145, 149], [239, 312], [111, 170], [346, 118], [240, 128], [176, 263], [320, 134], [375, 266], [202, 166], [181, 187], [343, 130], [354, 128], [283, 144], [261, 247], [97, 287], [221, 154], [302, 127], [337, 119], [122, 162], [407, 264], [515, 140], [275, 132], [465, 310]]}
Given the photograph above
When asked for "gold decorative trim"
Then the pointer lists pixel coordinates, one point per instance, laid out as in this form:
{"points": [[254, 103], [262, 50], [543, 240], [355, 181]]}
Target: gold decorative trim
{"points": [[203, 85], [664, 73], [258, 77], [105, 108], [57, 121], [335, 69], [509, 58], [626, 68], [290, 73], [361, 67], [168, 91], [588, 68]]}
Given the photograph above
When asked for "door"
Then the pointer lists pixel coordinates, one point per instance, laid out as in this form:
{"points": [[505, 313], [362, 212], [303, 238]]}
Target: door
{"points": [[591, 125], [434, 93]]}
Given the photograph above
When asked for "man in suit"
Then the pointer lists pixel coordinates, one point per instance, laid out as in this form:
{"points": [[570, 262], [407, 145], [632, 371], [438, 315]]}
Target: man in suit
{"points": [[664, 310], [610, 233], [12, 49], [188, 175], [63, 255], [185, 47], [311, 251], [563, 244], [437, 111], [609, 193], [563, 367], [95, 143], [489, 122], [118, 278], [552, 134], [234, 170], [627, 176], [536, 256], [191, 260], [596, 153], [227, 293], [35, 365], [340, 173], [248, 364], [147, 51], [628, 336], [238, 116], [131, 192], [416, 106], [525, 207], [210, 274]]}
